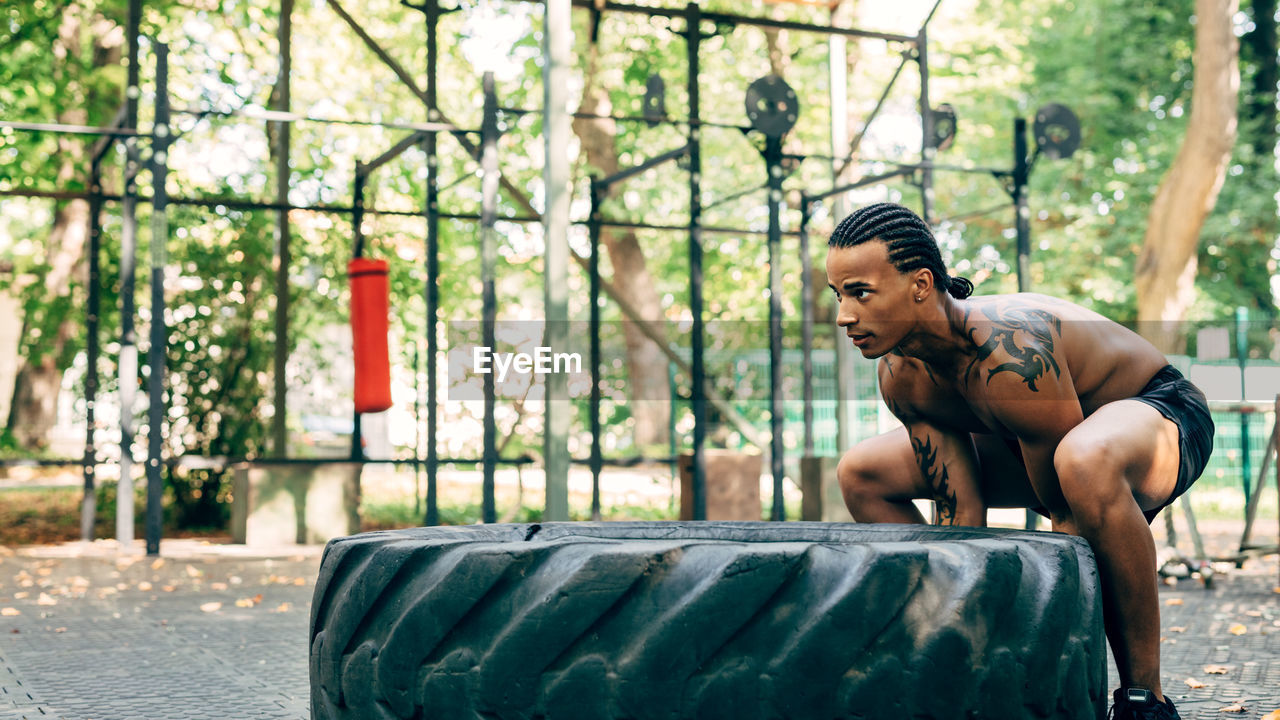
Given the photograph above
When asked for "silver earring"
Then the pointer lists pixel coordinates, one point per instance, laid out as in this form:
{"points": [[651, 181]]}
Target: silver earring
{"points": [[919, 299]]}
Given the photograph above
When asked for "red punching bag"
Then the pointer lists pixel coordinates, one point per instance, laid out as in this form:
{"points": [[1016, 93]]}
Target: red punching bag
{"points": [[369, 290]]}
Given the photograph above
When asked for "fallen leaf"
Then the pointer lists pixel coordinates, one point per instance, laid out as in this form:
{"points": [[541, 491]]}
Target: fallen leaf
{"points": [[284, 607], [46, 599], [1193, 683], [144, 586], [60, 630], [300, 582], [1253, 613], [10, 612], [168, 588], [218, 586], [44, 571], [245, 603], [1217, 669], [157, 564], [1173, 601], [257, 598], [1238, 629], [1177, 629], [1273, 715], [1232, 709], [211, 607], [194, 572], [21, 595]]}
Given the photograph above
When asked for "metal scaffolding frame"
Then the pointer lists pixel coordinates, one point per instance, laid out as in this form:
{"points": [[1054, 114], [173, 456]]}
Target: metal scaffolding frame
{"points": [[425, 136]]}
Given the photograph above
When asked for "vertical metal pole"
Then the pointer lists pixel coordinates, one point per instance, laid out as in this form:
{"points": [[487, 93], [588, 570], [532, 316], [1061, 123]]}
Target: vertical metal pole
{"points": [[417, 429], [557, 60], [1242, 356], [159, 330], [1251, 507], [128, 363], [357, 233], [693, 18], [1022, 215], [806, 323], [488, 268], [433, 266], [594, 271], [1022, 222], [927, 151], [777, 415], [89, 505], [838, 68], [279, 427]]}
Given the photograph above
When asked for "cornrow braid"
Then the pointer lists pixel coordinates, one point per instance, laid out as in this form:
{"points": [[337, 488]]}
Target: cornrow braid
{"points": [[909, 240]]}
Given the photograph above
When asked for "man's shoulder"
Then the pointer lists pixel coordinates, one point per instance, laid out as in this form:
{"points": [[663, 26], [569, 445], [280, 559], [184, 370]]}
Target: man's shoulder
{"points": [[1019, 337]]}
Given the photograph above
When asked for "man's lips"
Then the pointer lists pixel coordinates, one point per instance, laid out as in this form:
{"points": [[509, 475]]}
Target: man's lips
{"points": [[860, 339]]}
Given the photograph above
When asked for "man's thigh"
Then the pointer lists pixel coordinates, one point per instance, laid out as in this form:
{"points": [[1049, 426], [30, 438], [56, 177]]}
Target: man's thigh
{"points": [[1128, 441]]}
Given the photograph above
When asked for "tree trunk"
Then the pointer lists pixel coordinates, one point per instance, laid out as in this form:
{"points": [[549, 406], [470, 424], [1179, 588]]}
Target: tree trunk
{"points": [[650, 400], [34, 410], [1166, 269]]}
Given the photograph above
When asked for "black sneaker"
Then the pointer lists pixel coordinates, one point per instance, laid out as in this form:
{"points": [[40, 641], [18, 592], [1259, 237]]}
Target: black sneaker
{"points": [[1140, 704]]}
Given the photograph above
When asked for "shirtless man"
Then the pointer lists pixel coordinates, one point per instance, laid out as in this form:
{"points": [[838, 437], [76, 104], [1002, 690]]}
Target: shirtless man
{"points": [[1018, 401]]}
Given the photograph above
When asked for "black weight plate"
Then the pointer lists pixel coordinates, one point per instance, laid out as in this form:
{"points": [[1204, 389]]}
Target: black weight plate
{"points": [[772, 106], [1057, 131]]}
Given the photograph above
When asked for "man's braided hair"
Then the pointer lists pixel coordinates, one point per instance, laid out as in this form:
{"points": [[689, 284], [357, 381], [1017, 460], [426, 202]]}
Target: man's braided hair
{"points": [[909, 240]]}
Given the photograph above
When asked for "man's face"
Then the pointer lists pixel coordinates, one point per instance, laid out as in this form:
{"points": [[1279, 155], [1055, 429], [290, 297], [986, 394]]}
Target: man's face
{"points": [[875, 299]]}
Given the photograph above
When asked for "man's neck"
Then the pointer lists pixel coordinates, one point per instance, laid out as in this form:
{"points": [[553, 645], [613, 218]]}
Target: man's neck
{"points": [[940, 339]]}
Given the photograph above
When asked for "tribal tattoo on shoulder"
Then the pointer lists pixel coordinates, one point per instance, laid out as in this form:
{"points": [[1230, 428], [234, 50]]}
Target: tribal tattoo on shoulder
{"points": [[1035, 357], [935, 474]]}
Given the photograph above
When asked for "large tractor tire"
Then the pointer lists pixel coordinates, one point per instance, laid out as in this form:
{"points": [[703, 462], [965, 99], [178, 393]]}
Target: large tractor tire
{"points": [[752, 621]]}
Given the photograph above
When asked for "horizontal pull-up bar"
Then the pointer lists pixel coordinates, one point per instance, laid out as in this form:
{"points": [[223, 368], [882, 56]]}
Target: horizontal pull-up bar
{"points": [[647, 164], [72, 129], [719, 17], [292, 117], [232, 203]]}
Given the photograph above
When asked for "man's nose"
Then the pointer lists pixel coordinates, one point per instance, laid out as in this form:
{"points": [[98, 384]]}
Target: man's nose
{"points": [[845, 315]]}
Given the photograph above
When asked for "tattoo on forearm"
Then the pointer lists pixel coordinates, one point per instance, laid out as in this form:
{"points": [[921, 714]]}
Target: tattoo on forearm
{"points": [[943, 496], [1029, 362]]}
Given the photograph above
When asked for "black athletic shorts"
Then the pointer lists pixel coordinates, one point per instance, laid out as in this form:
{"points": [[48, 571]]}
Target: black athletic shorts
{"points": [[1183, 403]]}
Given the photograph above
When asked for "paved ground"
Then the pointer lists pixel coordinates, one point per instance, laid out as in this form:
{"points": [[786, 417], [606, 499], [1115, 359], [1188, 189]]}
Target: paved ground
{"points": [[205, 632], [220, 632]]}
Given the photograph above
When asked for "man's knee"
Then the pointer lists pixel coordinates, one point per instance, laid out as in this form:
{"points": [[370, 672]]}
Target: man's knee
{"points": [[1091, 474], [860, 480]]}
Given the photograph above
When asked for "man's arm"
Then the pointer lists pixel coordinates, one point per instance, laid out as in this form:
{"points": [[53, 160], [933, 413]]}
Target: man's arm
{"points": [[1033, 395], [946, 458]]}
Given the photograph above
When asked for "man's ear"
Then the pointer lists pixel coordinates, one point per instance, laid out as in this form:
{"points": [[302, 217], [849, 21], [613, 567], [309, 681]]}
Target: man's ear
{"points": [[922, 284]]}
